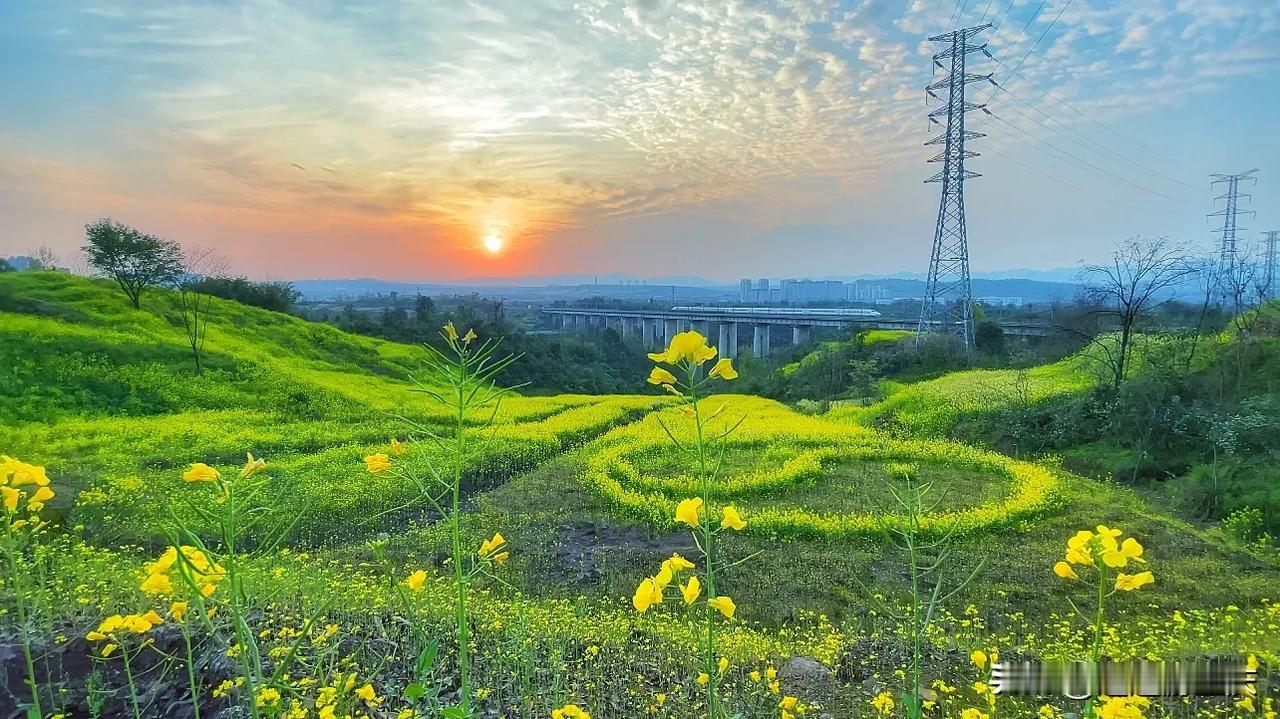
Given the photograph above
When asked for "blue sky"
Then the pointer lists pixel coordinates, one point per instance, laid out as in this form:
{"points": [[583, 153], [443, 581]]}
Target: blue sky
{"points": [[442, 140]]}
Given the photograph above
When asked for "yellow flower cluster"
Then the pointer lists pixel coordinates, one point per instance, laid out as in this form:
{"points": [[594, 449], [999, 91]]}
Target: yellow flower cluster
{"points": [[204, 573], [688, 350], [15, 474], [115, 627], [1122, 707], [494, 549], [1104, 548], [570, 711]]}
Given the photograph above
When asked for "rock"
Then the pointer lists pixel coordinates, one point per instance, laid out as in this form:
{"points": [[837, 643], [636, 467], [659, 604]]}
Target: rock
{"points": [[808, 680]]}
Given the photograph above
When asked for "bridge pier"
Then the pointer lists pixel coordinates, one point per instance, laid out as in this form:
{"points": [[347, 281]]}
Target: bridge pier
{"points": [[760, 340], [728, 345], [800, 334], [669, 329], [648, 328]]}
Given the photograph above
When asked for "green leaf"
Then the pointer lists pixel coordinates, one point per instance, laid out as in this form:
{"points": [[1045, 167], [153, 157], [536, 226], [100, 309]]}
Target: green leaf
{"points": [[427, 657], [453, 713], [414, 692]]}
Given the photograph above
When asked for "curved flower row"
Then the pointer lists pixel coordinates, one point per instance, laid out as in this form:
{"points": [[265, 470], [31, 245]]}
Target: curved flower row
{"points": [[653, 499]]}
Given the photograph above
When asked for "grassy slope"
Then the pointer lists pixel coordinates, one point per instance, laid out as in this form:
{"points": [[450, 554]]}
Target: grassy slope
{"points": [[314, 400]]}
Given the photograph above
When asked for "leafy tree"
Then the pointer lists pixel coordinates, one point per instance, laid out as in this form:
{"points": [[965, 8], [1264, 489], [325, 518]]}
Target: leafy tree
{"points": [[5, 266], [135, 260], [274, 296]]}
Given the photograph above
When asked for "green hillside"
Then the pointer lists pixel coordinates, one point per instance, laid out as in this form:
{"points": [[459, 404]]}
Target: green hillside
{"points": [[584, 489]]}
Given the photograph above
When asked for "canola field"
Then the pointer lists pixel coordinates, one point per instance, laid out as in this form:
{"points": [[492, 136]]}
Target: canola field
{"points": [[258, 540]]}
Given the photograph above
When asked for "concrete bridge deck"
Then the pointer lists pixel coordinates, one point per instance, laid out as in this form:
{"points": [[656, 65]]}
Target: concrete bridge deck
{"points": [[657, 326]]}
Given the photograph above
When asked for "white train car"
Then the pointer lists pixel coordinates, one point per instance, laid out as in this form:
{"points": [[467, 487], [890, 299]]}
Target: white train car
{"points": [[799, 311]]}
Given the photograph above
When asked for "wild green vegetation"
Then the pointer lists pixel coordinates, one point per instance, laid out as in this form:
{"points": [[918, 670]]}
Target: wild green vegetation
{"points": [[319, 578]]}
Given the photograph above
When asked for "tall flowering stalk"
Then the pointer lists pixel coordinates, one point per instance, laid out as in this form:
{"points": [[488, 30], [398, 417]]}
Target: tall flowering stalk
{"points": [[686, 355], [24, 488], [463, 379], [199, 563], [1102, 554]]}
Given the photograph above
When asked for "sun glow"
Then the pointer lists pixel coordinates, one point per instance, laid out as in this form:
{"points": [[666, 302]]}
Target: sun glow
{"points": [[493, 243]]}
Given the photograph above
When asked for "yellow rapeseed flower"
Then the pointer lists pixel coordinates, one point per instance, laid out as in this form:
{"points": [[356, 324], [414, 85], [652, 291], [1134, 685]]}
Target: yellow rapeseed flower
{"points": [[178, 610], [450, 332], [369, 696], [883, 702], [491, 545], [724, 605], [647, 595], [979, 658], [657, 375], [688, 346], [724, 370], [157, 583], [570, 711], [396, 447], [416, 580], [1130, 582], [201, 472], [688, 511], [703, 678], [732, 519], [1129, 551], [36, 502], [470, 337], [20, 473], [252, 465], [11, 497], [376, 463], [677, 563], [691, 590], [1064, 570]]}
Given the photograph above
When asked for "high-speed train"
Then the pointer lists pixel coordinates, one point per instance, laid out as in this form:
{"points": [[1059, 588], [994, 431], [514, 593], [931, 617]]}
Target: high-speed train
{"points": [[806, 311]]}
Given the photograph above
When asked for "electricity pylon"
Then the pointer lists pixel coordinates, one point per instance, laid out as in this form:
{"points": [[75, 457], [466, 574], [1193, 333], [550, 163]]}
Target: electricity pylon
{"points": [[1228, 261], [1269, 271], [948, 297]]}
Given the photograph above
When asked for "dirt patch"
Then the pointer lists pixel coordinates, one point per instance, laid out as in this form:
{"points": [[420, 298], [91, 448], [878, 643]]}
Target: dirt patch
{"points": [[584, 547]]}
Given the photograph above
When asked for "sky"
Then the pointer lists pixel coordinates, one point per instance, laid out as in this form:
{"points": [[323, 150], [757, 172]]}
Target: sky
{"points": [[440, 140]]}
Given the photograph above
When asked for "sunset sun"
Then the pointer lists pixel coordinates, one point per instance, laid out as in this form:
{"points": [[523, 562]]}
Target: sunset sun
{"points": [[493, 243]]}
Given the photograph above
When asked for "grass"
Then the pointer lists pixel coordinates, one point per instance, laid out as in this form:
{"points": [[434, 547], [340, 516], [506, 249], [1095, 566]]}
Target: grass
{"points": [[105, 398]]}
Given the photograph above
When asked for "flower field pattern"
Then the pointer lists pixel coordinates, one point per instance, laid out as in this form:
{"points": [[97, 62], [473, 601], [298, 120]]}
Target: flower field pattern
{"points": [[794, 451], [270, 540]]}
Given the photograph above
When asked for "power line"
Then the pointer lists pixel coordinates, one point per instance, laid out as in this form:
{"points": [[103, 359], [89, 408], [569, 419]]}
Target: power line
{"points": [[1080, 161], [1021, 32], [1032, 49], [1097, 146], [1063, 182]]}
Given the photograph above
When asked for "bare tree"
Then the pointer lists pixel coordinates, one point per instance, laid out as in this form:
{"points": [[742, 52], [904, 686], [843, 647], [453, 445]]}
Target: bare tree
{"points": [[1141, 276], [44, 258], [192, 304], [135, 260]]}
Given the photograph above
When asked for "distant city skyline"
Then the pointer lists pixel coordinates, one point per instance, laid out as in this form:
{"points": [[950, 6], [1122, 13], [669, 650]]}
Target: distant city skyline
{"points": [[447, 141]]}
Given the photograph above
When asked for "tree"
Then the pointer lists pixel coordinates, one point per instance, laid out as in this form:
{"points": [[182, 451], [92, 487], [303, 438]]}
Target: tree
{"points": [[192, 303], [1140, 278], [5, 266], [135, 260], [44, 258]]}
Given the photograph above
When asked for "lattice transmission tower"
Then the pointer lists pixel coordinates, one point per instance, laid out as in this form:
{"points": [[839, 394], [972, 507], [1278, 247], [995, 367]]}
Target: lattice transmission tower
{"points": [[948, 298], [1228, 259], [1269, 270]]}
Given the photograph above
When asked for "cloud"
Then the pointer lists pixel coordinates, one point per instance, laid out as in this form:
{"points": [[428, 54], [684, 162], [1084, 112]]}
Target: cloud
{"points": [[537, 115]]}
